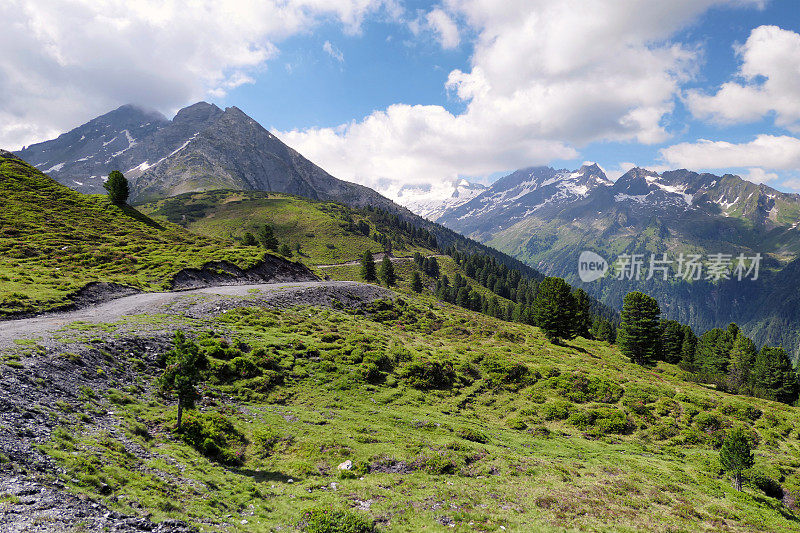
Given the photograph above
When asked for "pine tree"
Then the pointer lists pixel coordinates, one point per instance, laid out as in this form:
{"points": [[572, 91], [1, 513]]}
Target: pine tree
{"points": [[117, 187], [714, 351], [183, 373], [249, 239], [416, 282], [688, 349], [284, 250], [773, 376], [554, 310], [639, 333], [386, 272], [582, 319], [368, 266], [671, 341], [743, 357], [266, 236], [736, 455]]}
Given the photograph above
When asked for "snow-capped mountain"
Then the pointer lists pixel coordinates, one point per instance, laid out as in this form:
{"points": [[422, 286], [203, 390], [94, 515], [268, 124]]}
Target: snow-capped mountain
{"points": [[129, 139], [522, 193], [202, 148], [431, 203]]}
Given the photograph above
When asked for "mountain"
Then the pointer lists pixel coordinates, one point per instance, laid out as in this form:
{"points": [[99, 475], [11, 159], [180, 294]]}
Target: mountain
{"points": [[520, 194], [202, 148], [427, 204], [55, 242], [546, 218]]}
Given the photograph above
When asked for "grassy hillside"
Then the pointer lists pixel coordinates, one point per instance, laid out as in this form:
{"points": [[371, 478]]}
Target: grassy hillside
{"points": [[53, 241], [451, 419], [327, 233]]}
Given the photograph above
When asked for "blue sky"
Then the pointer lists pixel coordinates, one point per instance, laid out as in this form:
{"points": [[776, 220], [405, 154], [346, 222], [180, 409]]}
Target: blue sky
{"points": [[408, 96]]}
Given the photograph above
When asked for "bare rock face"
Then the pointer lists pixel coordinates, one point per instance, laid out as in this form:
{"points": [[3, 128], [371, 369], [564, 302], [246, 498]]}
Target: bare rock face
{"points": [[202, 148]]}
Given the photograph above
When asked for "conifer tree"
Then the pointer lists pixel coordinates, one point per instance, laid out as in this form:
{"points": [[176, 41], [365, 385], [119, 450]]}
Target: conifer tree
{"points": [[773, 376], [183, 372], [639, 333], [266, 236], [117, 187], [671, 341], [582, 319], [368, 266], [743, 357], [554, 310], [688, 348], [416, 282], [386, 272], [736, 455]]}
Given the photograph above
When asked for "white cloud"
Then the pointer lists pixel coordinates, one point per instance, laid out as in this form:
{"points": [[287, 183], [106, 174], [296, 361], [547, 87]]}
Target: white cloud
{"points": [[770, 82], [333, 51], [546, 77], [759, 175], [66, 61], [445, 28], [764, 152]]}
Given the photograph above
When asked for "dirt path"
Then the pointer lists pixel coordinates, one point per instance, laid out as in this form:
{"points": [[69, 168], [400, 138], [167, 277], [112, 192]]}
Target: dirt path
{"points": [[378, 257], [158, 302]]}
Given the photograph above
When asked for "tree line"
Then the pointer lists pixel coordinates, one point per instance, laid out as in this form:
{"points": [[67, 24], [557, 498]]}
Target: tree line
{"points": [[724, 357]]}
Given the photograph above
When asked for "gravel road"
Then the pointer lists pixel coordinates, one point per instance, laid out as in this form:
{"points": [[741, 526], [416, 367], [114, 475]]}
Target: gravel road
{"points": [[197, 301]]}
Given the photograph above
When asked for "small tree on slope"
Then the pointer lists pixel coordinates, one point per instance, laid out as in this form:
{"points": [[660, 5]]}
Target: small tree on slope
{"points": [[639, 333], [117, 187], [386, 272], [368, 266], [184, 365], [554, 310], [736, 455]]}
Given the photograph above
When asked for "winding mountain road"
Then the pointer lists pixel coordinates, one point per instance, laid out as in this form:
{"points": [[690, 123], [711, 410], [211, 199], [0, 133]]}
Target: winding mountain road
{"points": [[300, 292]]}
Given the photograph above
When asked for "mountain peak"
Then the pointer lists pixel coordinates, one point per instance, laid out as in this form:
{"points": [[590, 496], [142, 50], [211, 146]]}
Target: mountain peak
{"points": [[199, 112]]}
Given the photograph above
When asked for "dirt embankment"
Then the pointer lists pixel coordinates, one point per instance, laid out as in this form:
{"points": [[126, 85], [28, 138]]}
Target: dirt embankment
{"points": [[271, 270], [214, 274]]}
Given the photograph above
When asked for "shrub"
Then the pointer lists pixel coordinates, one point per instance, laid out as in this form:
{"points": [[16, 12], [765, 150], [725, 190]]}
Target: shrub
{"points": [[324, 520], [517, 423], [213, 435], [581, 388], [500, 371], [765, 483], [441, 463], [556, 410], [709, 422], [472, 435], [429, 374]]}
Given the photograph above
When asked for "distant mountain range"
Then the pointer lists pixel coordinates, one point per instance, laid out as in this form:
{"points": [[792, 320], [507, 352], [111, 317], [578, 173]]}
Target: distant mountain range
{"points": [[547, 217]]}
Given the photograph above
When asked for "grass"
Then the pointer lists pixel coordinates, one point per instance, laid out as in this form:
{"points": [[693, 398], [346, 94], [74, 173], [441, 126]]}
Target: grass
{"points": [[489, 446], [53, 241], [326, 232]]}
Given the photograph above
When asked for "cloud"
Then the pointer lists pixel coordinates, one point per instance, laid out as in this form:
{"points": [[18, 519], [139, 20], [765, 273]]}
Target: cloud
{"points": [[546, 77], [66, 61], [764, 152], [770, 82], [446, 30], [333, 51]]}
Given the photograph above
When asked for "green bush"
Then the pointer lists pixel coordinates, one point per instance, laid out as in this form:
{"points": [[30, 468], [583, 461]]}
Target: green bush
{"points": [[472, 435], [500, 371], [556, 410], [580, 388], [324, 520], [441, 463], [213, 435], [709, 422], [425, 375]]}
